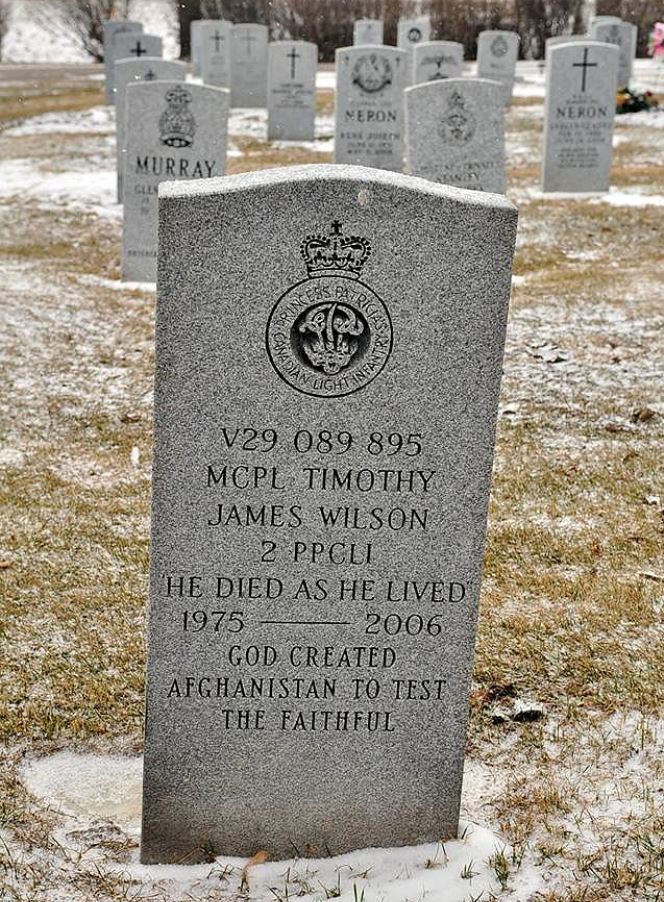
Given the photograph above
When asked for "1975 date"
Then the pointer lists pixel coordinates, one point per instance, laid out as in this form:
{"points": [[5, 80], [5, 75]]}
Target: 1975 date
{"points": [[322, 441]]}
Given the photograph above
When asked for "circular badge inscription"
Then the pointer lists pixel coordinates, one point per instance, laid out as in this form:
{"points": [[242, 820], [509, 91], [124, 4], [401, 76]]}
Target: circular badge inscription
{"points": [[329, 336]]}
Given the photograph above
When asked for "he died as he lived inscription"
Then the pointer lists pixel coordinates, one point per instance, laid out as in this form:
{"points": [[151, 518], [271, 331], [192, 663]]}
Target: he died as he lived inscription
{"points": [[328, 336]]}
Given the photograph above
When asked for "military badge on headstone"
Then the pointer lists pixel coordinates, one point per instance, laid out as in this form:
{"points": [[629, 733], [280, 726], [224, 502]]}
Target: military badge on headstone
{"points": [[177, 125], [330, 335], [372, 73], [499, 46], [458, 125]]}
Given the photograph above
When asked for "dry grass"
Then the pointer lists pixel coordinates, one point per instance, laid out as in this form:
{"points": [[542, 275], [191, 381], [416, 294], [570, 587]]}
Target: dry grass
{"points": [[568, 618]]}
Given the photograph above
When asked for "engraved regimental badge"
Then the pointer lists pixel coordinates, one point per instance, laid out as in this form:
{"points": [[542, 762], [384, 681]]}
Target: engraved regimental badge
{"points": [[458, 124], [177, 125], [372, 73], [414, 35], [499, 46], [330, 335]]}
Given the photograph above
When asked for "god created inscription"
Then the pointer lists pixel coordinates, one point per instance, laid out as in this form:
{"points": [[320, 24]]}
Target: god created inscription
{"points": [[361, 536], [324, 421]]}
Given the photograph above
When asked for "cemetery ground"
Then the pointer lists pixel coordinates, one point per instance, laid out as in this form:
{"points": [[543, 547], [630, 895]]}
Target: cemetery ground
{"points": [[565, 749]]}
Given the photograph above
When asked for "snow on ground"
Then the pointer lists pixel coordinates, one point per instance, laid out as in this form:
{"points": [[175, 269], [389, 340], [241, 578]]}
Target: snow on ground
{"points": [[93, 190], [100, 797], [98, 120]]}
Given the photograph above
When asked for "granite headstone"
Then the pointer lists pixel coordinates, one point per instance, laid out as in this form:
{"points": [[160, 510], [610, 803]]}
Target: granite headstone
{"points": [[136, 46], [455, 133], [127, 71], [291, 96], [196, 47], [173, 131], [329, 351], [435, 60], [578, 117], [249, 65], [216, 52], [368, 31], [621, 35], [369, 122], [112, 30], [410, 33], [497, 53]]}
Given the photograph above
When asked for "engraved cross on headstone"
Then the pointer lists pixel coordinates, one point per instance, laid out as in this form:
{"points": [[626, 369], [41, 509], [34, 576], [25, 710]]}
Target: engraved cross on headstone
{"points": [[217, 38], [585, 65], [249, 38], [150, 75], [138, 50], [292, 56]]}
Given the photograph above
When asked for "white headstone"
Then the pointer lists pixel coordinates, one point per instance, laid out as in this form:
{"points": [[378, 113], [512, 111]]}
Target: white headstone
{"points": [[127, 71], [578, 117], [497, 53], [216, 44], [113, 30], [410, 33], [291, 95], [621, 35], [455, 133], [136, 46], [435, 60], [249, 65], [173, 131], [196, 47], [369, 121], [368, 31]]}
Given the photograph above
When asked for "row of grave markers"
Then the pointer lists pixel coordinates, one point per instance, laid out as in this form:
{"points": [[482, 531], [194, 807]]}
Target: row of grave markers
{"points": [[449, 129], [329, 347]]}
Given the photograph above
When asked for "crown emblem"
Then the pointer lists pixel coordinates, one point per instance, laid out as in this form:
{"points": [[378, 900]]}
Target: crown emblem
{"points": [[177, 125], [335, 253], [458, 125]]}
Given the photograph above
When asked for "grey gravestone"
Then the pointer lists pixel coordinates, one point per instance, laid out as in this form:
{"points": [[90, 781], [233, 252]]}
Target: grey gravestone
{"points": [[196, 47], [324, 428], [595, 20], [578, 117], [621, 35], [435, 60], [410, 33], [136, 46], [111, 31], [497, 53], [249, 65], [291, 96], [369, 106], [128, 71], [215, 38], [368, 31], [455, 133], [173, 131]]}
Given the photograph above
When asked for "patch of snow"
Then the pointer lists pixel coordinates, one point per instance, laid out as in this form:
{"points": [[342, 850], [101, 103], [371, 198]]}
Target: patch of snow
{"points": [[619, 198], [96, 793], [88, 189], [645, 119], [98, 120]]}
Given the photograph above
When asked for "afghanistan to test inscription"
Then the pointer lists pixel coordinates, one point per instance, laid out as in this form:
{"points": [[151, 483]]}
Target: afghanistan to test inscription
{"points": [[329, 351]]}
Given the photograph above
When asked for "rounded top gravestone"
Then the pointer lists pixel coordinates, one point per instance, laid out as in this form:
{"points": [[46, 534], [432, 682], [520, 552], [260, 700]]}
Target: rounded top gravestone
{"points": [[329, 347]]}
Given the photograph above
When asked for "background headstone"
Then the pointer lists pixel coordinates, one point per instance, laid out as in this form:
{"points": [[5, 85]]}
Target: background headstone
{"points": [[368, 31], [578, 117], [111, 31], [410, 33], [216, 43], [455, 133], [128, 71], [318, 706], [291, 90], [173, 131], [196, 47], [436, 60], [369, 126], [137, 46], [621, 35], [249, 65], [497, 53]]}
